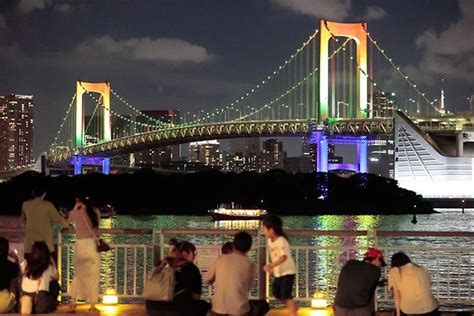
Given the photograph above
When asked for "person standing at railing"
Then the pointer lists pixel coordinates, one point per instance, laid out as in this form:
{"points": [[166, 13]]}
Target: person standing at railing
{"points": [[232, 275], [38, 215], [357, 283], [283, 267], [411, 288], [85, 284]]}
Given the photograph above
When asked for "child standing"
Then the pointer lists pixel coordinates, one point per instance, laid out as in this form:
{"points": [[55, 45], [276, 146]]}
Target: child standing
{"points": [[282, 266]]}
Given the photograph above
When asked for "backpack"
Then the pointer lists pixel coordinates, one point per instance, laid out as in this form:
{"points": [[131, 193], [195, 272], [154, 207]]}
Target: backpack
{"points": [[160, 283]]}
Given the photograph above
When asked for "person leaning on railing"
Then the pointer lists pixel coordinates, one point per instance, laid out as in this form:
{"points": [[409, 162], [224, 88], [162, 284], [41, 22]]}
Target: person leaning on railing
{"points": [[411, 288]]}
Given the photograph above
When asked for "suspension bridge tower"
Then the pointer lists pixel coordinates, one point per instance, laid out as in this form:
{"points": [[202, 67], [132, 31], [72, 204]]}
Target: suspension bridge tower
{"points": [[103, 88], [357, 32]]}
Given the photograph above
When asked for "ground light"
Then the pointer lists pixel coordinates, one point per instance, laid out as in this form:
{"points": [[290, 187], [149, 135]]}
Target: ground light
{"points": [[110, 297], [318, 301]]}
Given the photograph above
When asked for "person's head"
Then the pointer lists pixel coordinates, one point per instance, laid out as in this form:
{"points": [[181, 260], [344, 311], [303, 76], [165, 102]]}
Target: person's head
{"points": [[4, 249], [242, 242], [39, 190], [85, 201], [273, 227], [187, 250], [227, 247], [38, 261], [375, 257], [399, 259], [173, 243]]}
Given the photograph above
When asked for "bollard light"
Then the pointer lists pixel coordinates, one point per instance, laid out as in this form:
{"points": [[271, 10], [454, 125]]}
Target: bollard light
{"points": [[319, 301], [110, 297]]}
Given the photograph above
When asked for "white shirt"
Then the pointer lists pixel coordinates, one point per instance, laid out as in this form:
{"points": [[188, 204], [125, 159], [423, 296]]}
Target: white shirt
{"points": [[413, 283], [41, 284], [278, 248], [232, 275]]}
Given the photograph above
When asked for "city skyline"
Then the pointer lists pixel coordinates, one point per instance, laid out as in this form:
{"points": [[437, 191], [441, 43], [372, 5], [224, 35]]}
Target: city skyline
{"points": [[214, 64]]}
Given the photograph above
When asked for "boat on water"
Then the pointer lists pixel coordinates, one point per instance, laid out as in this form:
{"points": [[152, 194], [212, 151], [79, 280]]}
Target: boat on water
{"points": [[234, 212]]}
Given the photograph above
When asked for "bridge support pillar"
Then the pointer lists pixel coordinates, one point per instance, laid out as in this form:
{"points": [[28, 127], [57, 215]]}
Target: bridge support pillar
{"points": [[362, 154], [106, 166], [321, 152], [78, 165], [459, 144]]}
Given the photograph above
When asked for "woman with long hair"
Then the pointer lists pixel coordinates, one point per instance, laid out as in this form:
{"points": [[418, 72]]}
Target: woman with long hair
{"points": [[85, 285], [38, 272], [411, 288]]}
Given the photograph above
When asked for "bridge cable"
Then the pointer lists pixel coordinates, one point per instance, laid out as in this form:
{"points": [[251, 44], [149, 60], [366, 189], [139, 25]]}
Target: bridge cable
{"points": [[264, 82], [92, 116], [370, 79], [117, 114], [293, 88], [138, 111], [63, 122], [397, 68]]}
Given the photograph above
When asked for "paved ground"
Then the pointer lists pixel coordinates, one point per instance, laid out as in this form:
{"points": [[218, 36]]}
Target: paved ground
{"points": [[139, 310]]}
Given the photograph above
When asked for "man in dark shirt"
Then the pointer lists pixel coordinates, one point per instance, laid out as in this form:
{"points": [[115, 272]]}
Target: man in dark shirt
{"points": [[357, 283], [8, 277]]}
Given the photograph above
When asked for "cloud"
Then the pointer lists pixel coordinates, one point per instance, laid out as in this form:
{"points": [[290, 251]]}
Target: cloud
{"points": [[147, 49], [64, 7], [3, 23], [375, 13], [26, 6], [327, 9], [450, 52]]}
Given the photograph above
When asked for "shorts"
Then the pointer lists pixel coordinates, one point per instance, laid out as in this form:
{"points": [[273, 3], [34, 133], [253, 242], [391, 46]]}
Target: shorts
{"points": [[282, 287]]}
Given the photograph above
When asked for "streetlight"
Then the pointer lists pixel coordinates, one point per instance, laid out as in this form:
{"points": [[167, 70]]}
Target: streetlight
{"points": [[339, 108]]}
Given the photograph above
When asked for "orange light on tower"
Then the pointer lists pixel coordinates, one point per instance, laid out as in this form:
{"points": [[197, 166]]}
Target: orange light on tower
{"points": [[355, 31]]}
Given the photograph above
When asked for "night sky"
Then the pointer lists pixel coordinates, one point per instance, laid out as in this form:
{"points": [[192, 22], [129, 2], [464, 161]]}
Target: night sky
{"points": [[186, 54]]}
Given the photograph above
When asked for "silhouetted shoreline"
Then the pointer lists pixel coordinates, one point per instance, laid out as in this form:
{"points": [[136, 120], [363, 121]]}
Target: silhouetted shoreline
{"points": [[147, 192]]}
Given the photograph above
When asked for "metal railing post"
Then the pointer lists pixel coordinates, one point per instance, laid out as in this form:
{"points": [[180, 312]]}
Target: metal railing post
{"points": [[262, 275]]}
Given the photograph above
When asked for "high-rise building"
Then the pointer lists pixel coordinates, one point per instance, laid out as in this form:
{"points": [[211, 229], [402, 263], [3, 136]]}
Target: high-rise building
{"points": [[16, 131], [383, 104], [381, 156], [206, 153], [163, 155], [245, 145], [272, 156]]}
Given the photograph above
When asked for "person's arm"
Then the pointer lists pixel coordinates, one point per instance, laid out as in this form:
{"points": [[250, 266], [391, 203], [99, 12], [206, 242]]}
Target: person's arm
{"points": [[210, 276], [55, 216], [14, 285], [396, 298], [54, 270], [269, 267], [196, 283], [23, 214], [393, 288], [284, 250]]}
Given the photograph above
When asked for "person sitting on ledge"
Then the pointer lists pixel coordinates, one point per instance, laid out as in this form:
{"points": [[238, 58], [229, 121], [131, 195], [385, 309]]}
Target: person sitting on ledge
{"points": [[188, 287]]}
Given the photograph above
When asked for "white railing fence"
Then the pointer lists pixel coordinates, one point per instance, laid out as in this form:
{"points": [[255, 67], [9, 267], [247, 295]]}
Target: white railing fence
{"points": [[319, 256]]}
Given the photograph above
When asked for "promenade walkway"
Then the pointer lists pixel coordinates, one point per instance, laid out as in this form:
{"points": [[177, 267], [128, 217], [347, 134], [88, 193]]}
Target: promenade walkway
{"points": [[139, 310]]}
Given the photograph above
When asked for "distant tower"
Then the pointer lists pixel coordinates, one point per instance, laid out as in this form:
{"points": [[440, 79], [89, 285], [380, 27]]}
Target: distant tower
{"points": [[442, 110], [471, 104]]}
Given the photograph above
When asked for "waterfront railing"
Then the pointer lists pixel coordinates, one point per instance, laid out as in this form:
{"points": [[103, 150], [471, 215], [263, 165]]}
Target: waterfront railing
{"points": [[319, 256]]}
